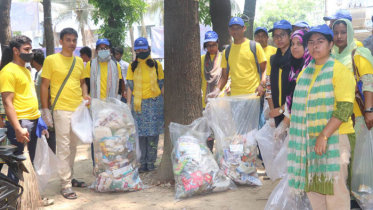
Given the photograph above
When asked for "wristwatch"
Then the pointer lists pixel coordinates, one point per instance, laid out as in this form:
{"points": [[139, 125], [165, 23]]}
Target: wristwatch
{"points": [[280, 111], [370, 110], [263, 85]]}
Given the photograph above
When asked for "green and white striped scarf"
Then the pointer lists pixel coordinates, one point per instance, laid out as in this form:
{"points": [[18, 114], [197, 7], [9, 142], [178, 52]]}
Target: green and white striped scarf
{"points": [[310, 113]]}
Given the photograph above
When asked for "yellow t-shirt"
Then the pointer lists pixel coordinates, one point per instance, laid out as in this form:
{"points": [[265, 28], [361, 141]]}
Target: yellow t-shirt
{"points": [[364, 67], [344, 89], [146, 89], [17, 79], [103, 67], [269, 51], [242, 67], [55, 68]]}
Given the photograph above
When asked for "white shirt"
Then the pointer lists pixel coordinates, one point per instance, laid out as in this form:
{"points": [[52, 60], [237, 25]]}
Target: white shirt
{"points": [[124, 67]]}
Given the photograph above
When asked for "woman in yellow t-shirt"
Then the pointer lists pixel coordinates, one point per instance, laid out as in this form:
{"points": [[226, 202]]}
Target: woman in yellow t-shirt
{"points": [[145, 97], [343, 49], [321, 126]]}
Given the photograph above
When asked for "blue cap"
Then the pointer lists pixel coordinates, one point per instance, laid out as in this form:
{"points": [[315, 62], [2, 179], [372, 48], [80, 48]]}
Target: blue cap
{"points": [[236, 21], [302, 24], [281, 24], [211, 36], [141, 43], [339, 14], [102, 41], [261, 29], [323, 29]]}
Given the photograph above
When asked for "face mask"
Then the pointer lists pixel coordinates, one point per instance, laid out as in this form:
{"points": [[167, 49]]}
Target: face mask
{"points": [[103, 55], [26, 57], [143, 55]]}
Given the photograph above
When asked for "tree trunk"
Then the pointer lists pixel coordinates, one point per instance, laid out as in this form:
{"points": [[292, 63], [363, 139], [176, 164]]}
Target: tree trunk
{"points": [[182, 100], [248, 16], [83, 36], [132, 43], [220, 11], [143, 27], [48, 30], [5, 32]]}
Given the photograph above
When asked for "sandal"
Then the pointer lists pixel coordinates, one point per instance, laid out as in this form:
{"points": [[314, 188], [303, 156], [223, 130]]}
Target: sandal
{"points": [[47, 201], [68, 193], [76, 183]]}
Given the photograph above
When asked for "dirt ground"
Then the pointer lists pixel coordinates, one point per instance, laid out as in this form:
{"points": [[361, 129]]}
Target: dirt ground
{"points": [[154, 197]]}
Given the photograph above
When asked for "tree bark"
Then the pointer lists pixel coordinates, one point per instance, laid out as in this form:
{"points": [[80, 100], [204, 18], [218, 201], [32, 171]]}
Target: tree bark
{"points": [[48, 30], [132, 43], [182, 73], [5, 31], [83, 36], [248, 17], [220, 11], [143, 27]]}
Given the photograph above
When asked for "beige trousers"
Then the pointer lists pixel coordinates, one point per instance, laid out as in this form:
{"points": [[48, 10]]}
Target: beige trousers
{"points": [[67, 142], [341, 198]]}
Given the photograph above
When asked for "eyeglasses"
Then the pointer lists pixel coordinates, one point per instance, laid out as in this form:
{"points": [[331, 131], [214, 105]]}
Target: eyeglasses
{"points": [[105, 48], [236, 28], [281, 36], [211, 46]]}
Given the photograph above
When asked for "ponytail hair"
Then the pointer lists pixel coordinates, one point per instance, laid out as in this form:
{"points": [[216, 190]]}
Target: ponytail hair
{"points": [[6, 57]]}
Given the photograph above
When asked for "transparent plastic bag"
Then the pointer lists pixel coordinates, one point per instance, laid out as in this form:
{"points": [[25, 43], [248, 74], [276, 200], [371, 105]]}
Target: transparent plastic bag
{"points": [[81, 123], [264, 137], [45, 162], [234, 121], [283, 198], [195, 169], [115, 147], [279, 168], [362, 178]]}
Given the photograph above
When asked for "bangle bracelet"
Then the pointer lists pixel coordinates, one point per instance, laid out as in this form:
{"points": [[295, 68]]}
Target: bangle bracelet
{"points": [[325, 138]]}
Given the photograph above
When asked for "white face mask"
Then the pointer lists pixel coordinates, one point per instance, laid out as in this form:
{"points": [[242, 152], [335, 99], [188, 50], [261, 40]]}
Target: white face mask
{"points": [[104, 55]]}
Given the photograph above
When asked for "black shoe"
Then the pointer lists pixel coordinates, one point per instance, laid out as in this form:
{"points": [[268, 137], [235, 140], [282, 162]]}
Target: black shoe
{"points": [[143, 168], [151, 167]]}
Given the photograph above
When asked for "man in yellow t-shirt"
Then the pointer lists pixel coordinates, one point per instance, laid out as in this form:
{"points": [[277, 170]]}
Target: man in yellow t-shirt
{"points": [[19, 97], [261, 36], [102, 64], [245, 78], [55, 70]]}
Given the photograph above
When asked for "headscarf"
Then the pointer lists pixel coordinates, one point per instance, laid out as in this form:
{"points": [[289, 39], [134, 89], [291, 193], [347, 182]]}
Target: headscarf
{"points": [[297, 65], [212, 71], [345, 56]]}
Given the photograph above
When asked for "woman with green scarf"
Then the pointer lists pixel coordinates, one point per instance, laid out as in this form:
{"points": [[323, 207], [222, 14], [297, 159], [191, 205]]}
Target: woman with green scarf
{"points": [[320, 126], [343, 49]]}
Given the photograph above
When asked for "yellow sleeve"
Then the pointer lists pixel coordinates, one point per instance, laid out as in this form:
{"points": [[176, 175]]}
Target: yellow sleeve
{"points": [[260, 54], [87, 70], [363, 65], [47, 68], [160, 70], [129, 73], [119, 71], [268, 73], [202, 60], [224, 61], [81, 64], [7, 82], [343, 83]]}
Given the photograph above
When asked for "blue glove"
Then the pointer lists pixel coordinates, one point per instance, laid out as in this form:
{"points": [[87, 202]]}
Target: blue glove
{"points": [[40, 127]]}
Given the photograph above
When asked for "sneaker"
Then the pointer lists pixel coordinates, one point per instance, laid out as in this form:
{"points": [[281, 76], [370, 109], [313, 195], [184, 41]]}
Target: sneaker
{"points": [[151, 167], [143, 168]]}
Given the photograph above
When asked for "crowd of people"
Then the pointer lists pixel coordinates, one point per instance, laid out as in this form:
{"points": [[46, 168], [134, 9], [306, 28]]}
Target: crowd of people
{"points": [[308, 80]]}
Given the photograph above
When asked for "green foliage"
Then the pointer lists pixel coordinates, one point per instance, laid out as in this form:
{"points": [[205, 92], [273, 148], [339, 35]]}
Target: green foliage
{"points": [[127, 54], [204, 12], [273, 11], [117, 16], [16, 33]]}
